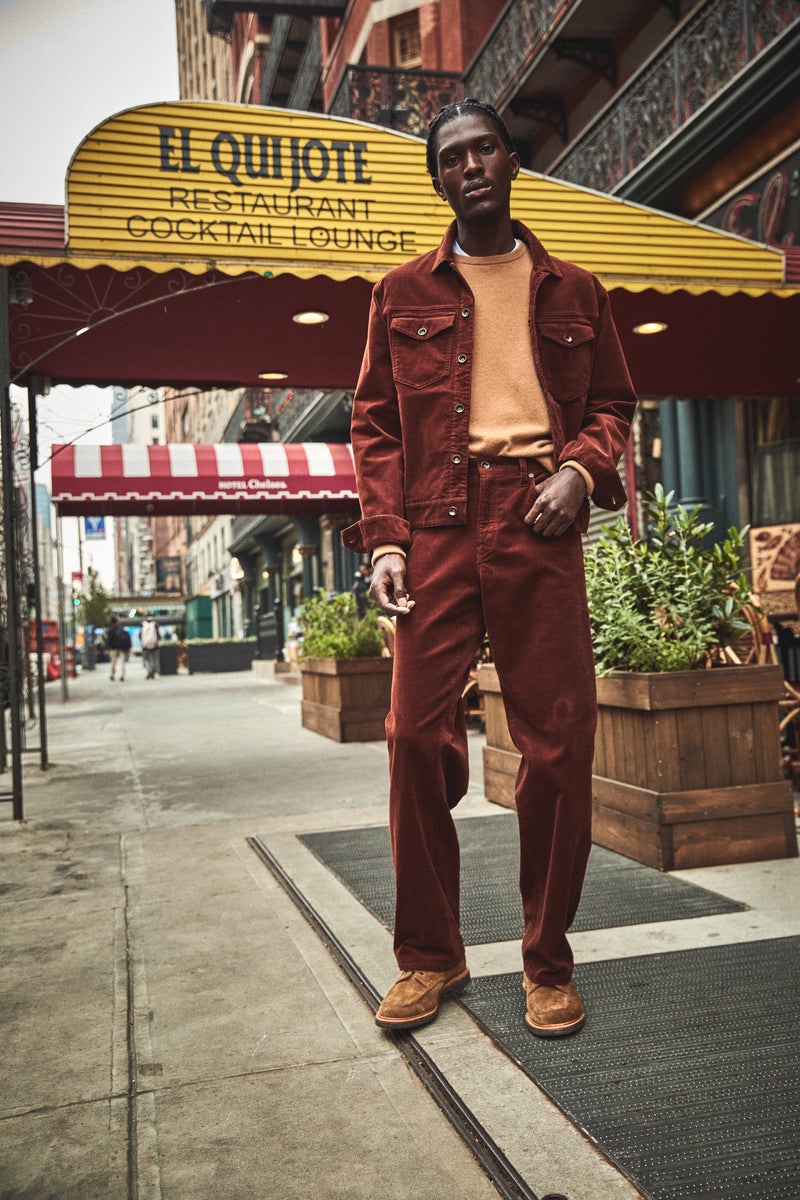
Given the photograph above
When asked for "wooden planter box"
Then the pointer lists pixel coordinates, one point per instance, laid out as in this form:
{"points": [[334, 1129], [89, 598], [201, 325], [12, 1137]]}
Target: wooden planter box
{"points": [[687, 767], [346, 699]]}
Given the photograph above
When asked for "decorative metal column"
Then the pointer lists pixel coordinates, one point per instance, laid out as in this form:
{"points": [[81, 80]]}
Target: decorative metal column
{"points": [[33, 457], [14, 690]]}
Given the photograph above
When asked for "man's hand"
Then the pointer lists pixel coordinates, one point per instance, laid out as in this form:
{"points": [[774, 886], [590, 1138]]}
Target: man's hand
{"points": [[557, 504], [388, 587]]}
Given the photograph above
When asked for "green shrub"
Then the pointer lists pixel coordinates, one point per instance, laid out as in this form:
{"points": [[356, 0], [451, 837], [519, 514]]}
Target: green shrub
{"points": [[667, 602], [332, 629]]}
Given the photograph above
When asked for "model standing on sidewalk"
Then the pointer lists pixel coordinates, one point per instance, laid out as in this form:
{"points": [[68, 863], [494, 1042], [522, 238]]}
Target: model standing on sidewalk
{"points": [[493, 400]]}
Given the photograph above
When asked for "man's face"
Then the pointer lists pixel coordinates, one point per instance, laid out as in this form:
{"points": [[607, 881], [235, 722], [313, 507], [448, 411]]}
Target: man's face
{"points": [[474, 169]]}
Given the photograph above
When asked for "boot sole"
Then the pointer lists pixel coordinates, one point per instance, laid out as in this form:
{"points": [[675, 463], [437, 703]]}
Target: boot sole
{"points": [[562, 1030], [452, 989]]}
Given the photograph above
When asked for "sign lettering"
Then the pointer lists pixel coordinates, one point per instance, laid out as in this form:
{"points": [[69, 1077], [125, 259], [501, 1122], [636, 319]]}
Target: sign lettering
{"points": [[233, 182]]}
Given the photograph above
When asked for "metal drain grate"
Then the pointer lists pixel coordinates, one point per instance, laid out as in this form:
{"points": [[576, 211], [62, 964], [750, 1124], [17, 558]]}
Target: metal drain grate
{"points": [[686, 1072], [617, 891]]}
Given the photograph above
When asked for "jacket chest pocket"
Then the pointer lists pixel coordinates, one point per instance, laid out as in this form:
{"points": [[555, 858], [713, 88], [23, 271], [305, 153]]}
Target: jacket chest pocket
{"points": [[567, 350], [421, 349]]}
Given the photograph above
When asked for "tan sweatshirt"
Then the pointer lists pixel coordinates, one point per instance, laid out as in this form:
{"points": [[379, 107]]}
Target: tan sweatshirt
{"points": [[508, 411]]}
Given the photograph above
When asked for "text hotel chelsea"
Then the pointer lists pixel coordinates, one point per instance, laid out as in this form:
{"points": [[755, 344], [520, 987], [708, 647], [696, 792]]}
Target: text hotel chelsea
{"points": [[239, 214]]}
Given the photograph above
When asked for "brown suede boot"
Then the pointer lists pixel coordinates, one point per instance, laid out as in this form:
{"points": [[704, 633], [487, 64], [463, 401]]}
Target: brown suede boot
{"points": [[553, 1011], [414, 1000]]}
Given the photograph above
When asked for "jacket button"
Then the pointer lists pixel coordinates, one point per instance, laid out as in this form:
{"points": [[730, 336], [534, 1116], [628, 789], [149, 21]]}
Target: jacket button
{"points": [[465, 312], [423, 330], [456, 458], [452, 512], [459, 408], [567, 337], [462, 358]]}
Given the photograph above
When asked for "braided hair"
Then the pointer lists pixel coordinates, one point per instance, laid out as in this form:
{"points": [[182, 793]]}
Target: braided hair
{"points": [[449, 113]]}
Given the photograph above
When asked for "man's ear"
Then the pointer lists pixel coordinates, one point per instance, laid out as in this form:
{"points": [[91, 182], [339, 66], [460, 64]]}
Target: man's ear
{"points": [[437, 187], [515, 164]]}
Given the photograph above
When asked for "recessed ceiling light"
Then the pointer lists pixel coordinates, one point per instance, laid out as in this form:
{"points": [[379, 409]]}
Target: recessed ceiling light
{"points": [[650, 327], [311, 318], [273, 375]]}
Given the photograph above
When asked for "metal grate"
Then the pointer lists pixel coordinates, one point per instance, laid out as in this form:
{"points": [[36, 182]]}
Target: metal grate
{"points": [[617, 891], [686, 1072]]}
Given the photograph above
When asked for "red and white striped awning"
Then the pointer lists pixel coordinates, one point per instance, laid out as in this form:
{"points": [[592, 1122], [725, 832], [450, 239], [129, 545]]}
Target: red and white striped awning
{"points": [[251, 478]]}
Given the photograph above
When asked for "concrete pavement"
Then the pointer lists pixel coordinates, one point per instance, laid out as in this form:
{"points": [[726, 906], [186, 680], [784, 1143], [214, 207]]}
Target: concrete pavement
{"points": [[172, 1027]]}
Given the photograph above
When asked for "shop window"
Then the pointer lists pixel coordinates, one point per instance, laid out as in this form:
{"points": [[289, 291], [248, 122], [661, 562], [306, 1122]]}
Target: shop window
{"points": [[406, 44], [776, 461]]}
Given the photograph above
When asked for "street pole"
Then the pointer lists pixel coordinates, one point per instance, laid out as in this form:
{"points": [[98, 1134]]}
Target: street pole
{"points": [[33, 456], [62, 638], [10, 540]]}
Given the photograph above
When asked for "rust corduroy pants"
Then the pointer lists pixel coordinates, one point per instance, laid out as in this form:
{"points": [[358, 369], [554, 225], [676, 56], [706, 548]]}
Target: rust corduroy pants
{"points": [[528, 593]]}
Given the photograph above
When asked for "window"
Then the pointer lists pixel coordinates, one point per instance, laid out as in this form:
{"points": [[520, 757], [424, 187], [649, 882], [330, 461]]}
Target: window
{"points": [[154, 420], [406, 45]]}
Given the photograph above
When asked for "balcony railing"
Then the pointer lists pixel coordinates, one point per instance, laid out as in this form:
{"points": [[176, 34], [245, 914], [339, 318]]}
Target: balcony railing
{"points": [[220, 14], [523, 28], [403, 100], [714, 45]]}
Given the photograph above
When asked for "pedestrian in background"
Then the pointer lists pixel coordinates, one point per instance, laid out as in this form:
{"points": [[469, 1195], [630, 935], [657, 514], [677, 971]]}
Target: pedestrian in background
{"points": [[119, 644], [363, 578], [150, 647], [493, 400]]}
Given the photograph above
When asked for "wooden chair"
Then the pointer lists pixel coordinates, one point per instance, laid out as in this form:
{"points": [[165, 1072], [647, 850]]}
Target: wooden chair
{"points": [[764, 650], [387, 624]]}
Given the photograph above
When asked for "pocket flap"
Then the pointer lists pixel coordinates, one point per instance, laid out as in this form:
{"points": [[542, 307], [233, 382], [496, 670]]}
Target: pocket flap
{"points": [[422, 329], [567, 333]]}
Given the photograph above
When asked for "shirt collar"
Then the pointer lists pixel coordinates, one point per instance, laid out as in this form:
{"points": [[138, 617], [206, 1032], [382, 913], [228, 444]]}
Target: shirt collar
{"points": [[541, 259]]}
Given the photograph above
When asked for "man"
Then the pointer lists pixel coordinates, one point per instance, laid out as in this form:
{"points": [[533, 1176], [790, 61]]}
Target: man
{"points": [[119, 644], [150, 647], [493, 399]]}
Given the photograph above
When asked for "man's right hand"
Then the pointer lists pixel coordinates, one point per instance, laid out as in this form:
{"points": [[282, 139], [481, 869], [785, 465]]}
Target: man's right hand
{"points": [[388, 587]]}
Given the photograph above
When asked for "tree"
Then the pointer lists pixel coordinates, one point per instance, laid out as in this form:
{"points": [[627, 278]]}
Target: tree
{"points": [[95, 608]]}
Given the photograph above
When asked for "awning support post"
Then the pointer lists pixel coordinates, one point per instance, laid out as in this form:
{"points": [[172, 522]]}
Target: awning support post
{"points": [[33, 443], [10, 545]]}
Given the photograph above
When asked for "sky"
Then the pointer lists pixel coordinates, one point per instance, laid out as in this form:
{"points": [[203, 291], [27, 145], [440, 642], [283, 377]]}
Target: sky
{"points": [[66, 66]]}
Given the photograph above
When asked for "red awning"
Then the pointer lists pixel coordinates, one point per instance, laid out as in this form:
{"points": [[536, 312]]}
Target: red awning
{"points": [[265, 477]]}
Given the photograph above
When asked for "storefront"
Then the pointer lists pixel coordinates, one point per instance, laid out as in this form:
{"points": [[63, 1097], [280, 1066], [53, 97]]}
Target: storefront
{"points": [[226, 246]]}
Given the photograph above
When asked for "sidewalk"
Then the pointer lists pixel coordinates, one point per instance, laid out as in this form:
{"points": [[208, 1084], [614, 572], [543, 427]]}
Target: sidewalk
{"points": [[172, 1026]]}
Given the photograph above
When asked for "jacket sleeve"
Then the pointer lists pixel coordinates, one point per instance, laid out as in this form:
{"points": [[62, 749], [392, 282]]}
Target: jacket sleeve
{"points": [[610, 406], [377, 444]]}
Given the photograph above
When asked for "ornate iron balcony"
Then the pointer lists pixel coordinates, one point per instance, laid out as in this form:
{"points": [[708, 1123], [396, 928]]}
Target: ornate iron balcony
{"points": [[716, 44], [523, 28], [403, 100], [220, 13]]}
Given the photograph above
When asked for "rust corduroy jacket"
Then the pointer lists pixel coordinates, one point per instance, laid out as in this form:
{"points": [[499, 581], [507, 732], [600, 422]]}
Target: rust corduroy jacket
{"points": [[411, 407]]}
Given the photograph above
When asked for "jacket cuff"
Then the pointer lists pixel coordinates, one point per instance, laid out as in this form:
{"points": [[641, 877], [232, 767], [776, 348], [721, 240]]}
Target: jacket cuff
{"points": [[609, 491], [382, 530]]}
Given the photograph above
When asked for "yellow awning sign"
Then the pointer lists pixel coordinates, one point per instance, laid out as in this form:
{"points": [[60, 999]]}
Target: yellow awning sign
{"points": [[244, 188]]}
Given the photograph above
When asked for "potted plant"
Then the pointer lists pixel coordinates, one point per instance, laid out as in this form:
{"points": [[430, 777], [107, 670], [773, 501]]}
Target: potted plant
{"points": [[687, 767], [346, 680]]}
